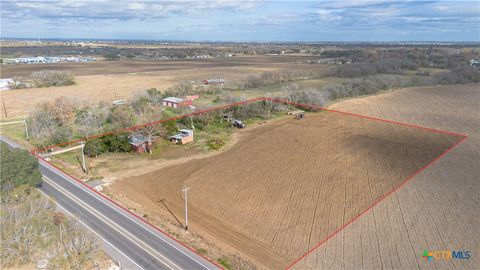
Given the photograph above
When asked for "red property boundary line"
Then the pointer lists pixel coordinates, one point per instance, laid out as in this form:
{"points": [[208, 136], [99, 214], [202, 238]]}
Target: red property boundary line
{"points": [[128, 211], [458, 142], [462, 138]]}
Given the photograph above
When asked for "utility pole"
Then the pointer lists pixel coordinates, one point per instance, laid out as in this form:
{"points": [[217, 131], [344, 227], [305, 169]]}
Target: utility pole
{"points": [[185, 189], [26, 129], [83, 157], [4, 108]]}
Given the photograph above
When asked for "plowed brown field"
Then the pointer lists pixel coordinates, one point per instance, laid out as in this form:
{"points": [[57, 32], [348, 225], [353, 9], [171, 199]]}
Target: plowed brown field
{"points": [[436, 210], [285, 186]]}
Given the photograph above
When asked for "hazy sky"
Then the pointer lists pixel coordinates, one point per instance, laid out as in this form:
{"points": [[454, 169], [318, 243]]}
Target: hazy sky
{"points": [[245, 20]]}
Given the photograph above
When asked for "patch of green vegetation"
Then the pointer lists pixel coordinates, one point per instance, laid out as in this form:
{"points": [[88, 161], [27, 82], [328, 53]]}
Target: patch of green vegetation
{"points": [[202, 251], [71, 157], [170, 127], [109, 143], [215, 144], [225, 263], [15, 132], [168, 113], [68, 161], [216, 99], [214, 135], [18, 168]]}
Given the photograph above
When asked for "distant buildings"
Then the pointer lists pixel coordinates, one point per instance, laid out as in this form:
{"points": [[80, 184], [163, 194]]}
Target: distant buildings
{"points": [[198, 57], [332, 61], [5, 84], [48, 60], [213, 81]]}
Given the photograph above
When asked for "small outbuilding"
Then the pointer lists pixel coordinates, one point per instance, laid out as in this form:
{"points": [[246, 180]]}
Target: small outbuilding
{"points": [[139, 143], [183, 137], [6, 84], [176, 102]]}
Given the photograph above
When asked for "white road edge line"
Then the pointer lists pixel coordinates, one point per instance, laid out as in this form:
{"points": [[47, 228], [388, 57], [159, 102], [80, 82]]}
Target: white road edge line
{"points": [[88, 227], [7, 142], [111, 224], [53, 169]]}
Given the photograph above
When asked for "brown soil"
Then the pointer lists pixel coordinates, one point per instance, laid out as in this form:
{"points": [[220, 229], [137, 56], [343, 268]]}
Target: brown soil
{"points": [[436, 210], [287, 185], [132, 66]]}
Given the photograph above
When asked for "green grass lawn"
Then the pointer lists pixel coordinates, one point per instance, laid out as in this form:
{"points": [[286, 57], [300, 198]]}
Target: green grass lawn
{"points": [[15, 132]]}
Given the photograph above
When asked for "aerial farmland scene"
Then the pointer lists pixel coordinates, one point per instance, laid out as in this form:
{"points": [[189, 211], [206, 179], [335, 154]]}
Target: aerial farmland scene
{"points": [[240, 135]]}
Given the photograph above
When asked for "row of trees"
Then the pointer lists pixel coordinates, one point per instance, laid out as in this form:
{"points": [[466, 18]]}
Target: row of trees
{"points": [[30, 229], [390, 66], [421, 56], [373, 84], [44, 78], [63, 119], [270, 78]]}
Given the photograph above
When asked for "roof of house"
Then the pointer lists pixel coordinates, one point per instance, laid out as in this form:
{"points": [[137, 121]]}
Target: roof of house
{"points": [[182, 134], [137, 139], [173, 99], [178, 136]]}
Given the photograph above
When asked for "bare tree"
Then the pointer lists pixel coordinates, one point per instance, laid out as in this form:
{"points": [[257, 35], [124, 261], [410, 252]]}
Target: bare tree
{"points": [[41, 126], [23, 226], [148, 113], [90, 120], [47, 78], [61, 109], [121, 117], [74, 248], [290, 90]]}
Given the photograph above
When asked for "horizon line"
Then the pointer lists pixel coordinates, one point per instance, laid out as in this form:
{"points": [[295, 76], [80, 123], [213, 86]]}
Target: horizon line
{"points": [[244, 41]]}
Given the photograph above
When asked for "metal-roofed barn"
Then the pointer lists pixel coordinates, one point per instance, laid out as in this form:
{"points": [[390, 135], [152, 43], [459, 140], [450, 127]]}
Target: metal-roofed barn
{"points": [[176, 102]]}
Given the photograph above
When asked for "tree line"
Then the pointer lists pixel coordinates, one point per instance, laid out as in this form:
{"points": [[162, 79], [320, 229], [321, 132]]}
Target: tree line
{"points": [[373, 84], [44, 78], [31, 229]]}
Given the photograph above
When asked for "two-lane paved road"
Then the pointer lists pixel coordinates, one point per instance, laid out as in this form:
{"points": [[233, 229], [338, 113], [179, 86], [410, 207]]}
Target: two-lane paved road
{"points": [[144, 246]]}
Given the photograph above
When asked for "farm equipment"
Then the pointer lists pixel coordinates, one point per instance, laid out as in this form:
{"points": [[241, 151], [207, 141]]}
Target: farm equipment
{"points": [[238, 124], [300, 116]]}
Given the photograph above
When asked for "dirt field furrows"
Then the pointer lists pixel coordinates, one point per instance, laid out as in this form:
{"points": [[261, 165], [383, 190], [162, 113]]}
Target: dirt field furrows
{"points": [[436, 210], [285, 186]]}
